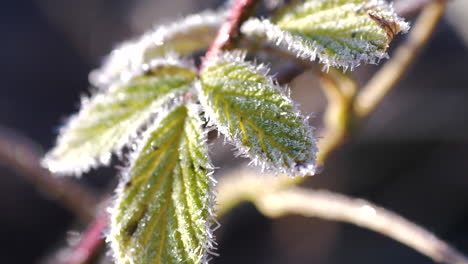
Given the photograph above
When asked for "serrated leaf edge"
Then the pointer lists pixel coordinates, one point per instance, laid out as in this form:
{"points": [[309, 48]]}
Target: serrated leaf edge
{"points": [[161, 105], [128, 57], [238, 56], [212, 223], [307, 49], [103, 81], [137, 144]]}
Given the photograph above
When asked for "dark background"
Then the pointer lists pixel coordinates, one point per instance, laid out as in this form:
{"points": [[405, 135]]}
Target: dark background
{"points": [[411, 157]]}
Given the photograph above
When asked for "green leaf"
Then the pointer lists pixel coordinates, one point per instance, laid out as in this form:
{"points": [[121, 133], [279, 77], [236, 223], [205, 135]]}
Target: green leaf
{"points": [[338, 32], [108, 120], [163, 208], [183, 37], [253, 112]]}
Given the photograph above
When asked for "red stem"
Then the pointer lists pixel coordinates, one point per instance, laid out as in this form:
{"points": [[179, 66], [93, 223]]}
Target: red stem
{"points": [[229, 30], [90, 243]]}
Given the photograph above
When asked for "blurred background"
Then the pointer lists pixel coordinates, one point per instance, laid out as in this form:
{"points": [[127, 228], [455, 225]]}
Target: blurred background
{"points": [[411, 157]]}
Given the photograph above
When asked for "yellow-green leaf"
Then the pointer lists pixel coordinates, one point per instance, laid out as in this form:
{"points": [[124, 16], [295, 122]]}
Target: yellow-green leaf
{"points": [[338, 32], [254, 113], [163, 208], [108, 120]]}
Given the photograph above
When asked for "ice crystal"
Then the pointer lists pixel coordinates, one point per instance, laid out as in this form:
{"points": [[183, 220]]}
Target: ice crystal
{"points": [[339, 33], [163, 212], [254, 113], [109, 119]]}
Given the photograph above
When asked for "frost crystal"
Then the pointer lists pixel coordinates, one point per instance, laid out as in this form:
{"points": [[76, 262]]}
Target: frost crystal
{"points": [[254, 113], [340, 33], [192, 33], [109, 119], [163, 212]]}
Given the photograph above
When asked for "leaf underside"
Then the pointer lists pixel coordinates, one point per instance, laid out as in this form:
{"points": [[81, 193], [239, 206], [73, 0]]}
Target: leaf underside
{"points": [[252, 111], [108, 120], [340, 33], [163, 207]]}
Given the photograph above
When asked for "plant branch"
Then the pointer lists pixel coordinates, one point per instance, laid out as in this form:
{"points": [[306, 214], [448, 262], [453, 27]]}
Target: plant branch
{"points": [[337, 207], [90, 243], [228, 33], [386, 78], [19, 154], [273, 200], [340, 90], [22, 156]]}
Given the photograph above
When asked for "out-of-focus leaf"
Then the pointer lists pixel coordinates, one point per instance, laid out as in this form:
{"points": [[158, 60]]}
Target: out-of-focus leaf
{"points": [[163, 210], [252, 111], [108, 120], [183, 37], [338, 32]]}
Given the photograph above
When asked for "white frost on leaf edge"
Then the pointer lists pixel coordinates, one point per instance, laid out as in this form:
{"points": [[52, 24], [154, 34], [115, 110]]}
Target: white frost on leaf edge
{"points": [[136, 147], [306, 49], [211, 223], [158, 107], [307, 168], [128, 57], [84, 166]]}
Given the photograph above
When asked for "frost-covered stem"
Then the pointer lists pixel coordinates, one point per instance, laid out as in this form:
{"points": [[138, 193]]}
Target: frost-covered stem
{"points": [[91, 241], [229, 30], [386, 78], [337, 207], [22, 156]]}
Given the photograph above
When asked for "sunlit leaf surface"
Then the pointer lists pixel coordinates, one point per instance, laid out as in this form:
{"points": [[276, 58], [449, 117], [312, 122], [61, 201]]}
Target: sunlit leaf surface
{"points": [[338, 32], [108, 120], [163, 210], [254, 113]]}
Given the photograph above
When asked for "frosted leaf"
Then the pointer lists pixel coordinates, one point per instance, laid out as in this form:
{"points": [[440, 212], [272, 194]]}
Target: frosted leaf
{"points": [[340, 33], [183, 37], [254, 113], [163, 209], [108, 120]]}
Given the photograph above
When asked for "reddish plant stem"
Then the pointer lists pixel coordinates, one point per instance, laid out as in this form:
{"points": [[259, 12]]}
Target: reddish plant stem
{"points": [[90, 243], [229, 30]]}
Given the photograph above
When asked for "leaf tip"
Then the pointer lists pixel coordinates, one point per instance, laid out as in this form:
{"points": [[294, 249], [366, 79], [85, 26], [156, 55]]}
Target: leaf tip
{"points": [[337, 33]]}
